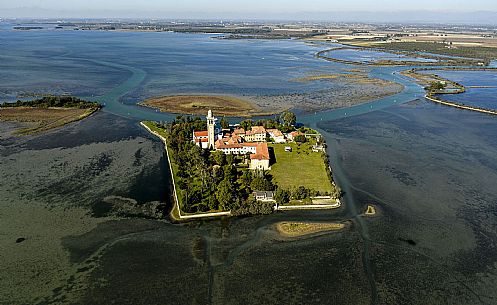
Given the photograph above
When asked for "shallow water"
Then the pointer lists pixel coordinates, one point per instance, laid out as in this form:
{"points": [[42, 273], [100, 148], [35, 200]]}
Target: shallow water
{"points": [[429, 169], [434, 182], [171, 63], [370, 56], [481, 97]]}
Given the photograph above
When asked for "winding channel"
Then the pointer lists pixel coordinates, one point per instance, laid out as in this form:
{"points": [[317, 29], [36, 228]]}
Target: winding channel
{"points": [[411, 92]]}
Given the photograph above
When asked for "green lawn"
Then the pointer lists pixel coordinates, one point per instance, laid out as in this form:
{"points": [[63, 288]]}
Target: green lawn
{"points": [[302, 166]]}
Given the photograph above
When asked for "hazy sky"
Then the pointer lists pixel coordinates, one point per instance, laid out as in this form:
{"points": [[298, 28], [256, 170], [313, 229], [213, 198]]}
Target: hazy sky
{"points": [[253, 5], [458, 11]]}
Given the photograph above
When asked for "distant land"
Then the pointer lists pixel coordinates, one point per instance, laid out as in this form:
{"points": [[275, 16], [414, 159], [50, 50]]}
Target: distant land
{"points": [[406, 16]]}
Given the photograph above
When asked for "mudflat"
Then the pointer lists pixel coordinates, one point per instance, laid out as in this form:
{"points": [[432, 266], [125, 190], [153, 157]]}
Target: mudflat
{"points": [[199, 104], [43, 118]]}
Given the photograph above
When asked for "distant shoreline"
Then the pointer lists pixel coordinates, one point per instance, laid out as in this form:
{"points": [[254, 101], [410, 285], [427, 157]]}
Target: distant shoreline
{"points": [[434, 95]]}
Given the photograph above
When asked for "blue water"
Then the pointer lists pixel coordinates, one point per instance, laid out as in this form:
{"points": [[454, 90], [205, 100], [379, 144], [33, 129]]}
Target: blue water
{"points": [[173, 63], [480, 97], [429, 169], [120, 69], [370, 56]]}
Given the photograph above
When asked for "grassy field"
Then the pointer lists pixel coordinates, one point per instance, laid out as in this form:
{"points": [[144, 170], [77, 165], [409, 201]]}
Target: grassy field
{"points": [[438, 48], [200, 104], [301, 167], [296, 229], [43, 118], [471, 52]]}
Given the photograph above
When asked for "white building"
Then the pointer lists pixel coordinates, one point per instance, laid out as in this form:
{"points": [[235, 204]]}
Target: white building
{"points": [[276, 135], [211, 129], [201, 138], [206, 139], [256, 134], [260, 160], [234, 144]]}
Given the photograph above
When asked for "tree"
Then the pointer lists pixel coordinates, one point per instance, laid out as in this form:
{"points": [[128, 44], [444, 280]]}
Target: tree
{"points": [[230, 159], [282, 196], [219, 157], [246, 178], [301, 193], [437, 86], [289, 118], [224, 123], [300, 139], [246, 124], [230, 172], [261, 183], [225, 194]]}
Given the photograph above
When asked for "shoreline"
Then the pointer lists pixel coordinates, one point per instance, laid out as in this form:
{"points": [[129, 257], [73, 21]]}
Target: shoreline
{"points": [[198, 104], [441, 61], [178, 215], [290, 229], [350, 91], [176, 208], [460, 106], [47, 127], [459, 88]]}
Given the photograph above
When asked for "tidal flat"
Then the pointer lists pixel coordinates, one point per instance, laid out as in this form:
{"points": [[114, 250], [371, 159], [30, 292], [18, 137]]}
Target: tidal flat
{"points": [[51, 185], [69, 197], [61, 246], [434, 181]]}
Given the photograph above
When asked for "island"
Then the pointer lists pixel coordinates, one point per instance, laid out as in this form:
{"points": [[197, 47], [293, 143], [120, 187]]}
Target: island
{"points": [[339, 90], [299, 229], [436, 87], [253, 167], [199, 104], [370, 210], [46, 113]]}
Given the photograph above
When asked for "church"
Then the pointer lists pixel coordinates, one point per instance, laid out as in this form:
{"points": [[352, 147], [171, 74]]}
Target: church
{"points": [[214, 138], [207, 139]]}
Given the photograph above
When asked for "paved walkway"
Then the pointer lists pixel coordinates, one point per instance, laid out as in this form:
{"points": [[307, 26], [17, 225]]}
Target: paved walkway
{"points": [[176, 202], [309, 206]]}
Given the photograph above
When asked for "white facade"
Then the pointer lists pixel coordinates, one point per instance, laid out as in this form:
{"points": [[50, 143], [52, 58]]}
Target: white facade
{"points": [[238, 150], [259, 164], [211, 126], [277, 136], [207, 139]]}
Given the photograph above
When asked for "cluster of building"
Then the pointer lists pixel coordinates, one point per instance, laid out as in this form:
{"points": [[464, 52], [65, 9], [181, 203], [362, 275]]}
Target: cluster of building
{"points": [[238, 141]]}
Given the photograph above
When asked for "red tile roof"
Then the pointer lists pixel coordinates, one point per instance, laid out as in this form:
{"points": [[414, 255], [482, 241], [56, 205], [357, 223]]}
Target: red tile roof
{"points": [[262, 152], [276, 132], [256, 130], [239, 131], [201, 133]]}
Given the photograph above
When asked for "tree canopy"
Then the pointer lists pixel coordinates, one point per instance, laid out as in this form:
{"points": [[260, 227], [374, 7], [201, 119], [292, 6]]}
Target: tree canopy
{"points": [[288, 118]]}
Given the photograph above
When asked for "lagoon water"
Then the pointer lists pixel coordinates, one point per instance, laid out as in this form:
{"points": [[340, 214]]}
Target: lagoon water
{"points": [[481, 87], [370, 56], [429, 169]]}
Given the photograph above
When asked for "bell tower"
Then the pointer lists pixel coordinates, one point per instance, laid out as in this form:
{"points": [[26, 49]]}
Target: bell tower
{"points": [[211, 129]]}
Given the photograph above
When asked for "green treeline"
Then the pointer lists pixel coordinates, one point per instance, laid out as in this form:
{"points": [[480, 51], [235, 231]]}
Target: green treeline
{"points": [[55, 101], [285, 122], [210, 180]]}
